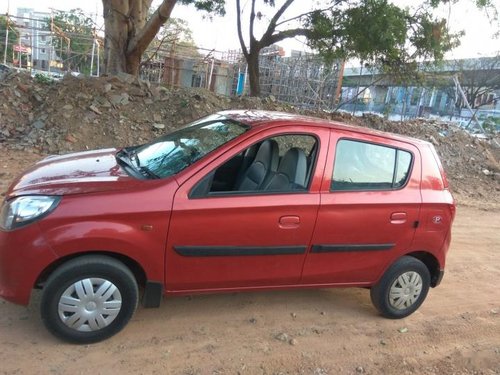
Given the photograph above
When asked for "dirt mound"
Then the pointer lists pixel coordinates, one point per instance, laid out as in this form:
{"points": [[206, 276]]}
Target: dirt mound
{"points": [[87, 113]]}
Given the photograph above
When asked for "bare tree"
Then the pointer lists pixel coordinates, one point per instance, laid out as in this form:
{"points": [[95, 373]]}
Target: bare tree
{"points": [[479, 78], [270, 37]]}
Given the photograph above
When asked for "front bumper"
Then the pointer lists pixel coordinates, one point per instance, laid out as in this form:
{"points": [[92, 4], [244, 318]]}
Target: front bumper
{"points": [[24, 254]]}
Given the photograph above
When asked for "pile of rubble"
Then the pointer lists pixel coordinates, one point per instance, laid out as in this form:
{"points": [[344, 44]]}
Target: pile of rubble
{"points": [[88, 113]]}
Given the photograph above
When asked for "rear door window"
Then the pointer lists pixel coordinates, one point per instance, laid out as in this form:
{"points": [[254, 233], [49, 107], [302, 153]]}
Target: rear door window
{"points": [[368, 166]]}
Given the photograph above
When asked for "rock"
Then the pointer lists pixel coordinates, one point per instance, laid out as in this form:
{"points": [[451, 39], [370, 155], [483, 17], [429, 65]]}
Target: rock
{"points": [[67, 107], [403, 330], [252, 320], [125, 98], [360, 370], [157, 117], [383, 342], [70, 138], [127, 78], [159, 126], [94, 109], [105, 103], [486, 172], [293, 315], [23, 87], [293, 342], [107, 87], [38, 124], [282, 337], [433, 140], [115, 99]]}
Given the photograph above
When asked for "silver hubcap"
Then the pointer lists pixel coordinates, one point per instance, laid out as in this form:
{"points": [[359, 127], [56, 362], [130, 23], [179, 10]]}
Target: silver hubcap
{"points": [[405, 290], [90, 304]]}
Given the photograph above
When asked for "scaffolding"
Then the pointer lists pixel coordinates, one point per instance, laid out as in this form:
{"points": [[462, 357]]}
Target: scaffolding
{"points": [[305, 81]]}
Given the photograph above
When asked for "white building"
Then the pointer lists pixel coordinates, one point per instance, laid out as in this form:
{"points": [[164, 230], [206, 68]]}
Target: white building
{"points": [[34, 34]]}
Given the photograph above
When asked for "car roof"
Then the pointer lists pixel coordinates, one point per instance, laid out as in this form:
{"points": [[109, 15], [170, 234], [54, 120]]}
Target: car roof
{"points": [[260, 118]]}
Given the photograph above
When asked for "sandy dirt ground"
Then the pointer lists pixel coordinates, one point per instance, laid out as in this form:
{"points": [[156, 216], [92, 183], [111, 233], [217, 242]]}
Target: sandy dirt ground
{"points": [[334, 331]]}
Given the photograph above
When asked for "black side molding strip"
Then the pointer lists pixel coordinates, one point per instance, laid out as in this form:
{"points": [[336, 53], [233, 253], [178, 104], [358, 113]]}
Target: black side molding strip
{"points": [[347, 247], [220, 251]]}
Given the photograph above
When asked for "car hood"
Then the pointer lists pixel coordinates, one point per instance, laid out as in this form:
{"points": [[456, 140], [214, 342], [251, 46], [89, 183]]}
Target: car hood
{"points": [[77, 173]]}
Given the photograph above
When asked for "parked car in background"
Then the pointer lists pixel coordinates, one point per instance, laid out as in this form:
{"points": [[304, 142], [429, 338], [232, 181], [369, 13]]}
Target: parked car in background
{"points": [[241, 200]]}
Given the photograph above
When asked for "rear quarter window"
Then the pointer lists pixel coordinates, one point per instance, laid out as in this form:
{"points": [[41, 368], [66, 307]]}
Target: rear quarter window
{"points": [[367, 166]]}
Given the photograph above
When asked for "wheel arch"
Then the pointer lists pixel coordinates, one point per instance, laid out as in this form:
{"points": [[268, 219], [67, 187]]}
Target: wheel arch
{"points": [[136, 269], [432, 264]]}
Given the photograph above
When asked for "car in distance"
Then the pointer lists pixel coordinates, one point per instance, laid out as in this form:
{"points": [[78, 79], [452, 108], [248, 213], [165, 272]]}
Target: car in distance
{"points": [[240, 200]]}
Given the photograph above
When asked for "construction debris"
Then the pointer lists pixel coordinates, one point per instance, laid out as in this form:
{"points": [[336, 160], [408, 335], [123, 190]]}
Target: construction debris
{"points": [[88, 113]]}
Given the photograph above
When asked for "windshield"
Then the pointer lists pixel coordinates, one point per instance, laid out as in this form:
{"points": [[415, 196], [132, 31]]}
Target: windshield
{"points": [[173, 152]]}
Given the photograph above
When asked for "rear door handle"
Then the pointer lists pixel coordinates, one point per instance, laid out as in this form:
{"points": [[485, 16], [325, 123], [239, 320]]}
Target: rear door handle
{"points": [[398, 217], [288, 222]]}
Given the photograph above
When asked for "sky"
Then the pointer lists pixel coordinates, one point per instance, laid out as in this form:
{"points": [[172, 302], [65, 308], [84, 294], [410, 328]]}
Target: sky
{"points": [[219, 33]]}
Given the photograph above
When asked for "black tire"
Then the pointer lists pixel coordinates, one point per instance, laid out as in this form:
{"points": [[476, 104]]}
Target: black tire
{"points": [[85, 281], [397, 307]]}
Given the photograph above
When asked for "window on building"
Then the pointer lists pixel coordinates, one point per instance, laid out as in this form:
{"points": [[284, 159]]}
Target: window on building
{"points": [[367, 166]]}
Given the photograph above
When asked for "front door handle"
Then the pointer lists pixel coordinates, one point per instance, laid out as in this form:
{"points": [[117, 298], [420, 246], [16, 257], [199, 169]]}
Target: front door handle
{"points": [[288, 222], [398, 217]]}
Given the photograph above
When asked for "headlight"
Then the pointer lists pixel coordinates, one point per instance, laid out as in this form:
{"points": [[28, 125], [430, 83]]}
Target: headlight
{"points": [[24, 210]]}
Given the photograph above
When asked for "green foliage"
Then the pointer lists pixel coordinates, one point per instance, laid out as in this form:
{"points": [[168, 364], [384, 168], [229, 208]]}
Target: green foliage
{"points": [[43, 79], [381, 34], [73, 39], [492, 125], [210, 6], [174, 35], [12, 39]]}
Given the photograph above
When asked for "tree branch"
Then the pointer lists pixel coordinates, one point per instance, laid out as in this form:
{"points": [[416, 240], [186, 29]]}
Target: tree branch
{"points": [[252, 21], [285, 34], [144, 36], [238, 24], [272, 24], [308, 13]]}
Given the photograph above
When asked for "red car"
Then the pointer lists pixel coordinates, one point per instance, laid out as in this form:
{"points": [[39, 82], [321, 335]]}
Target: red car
{"points": [[241, 200]]}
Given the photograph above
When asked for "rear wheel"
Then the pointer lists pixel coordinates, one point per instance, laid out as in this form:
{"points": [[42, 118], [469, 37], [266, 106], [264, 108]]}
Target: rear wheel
{"points": [[402, 288], [89, 299]]}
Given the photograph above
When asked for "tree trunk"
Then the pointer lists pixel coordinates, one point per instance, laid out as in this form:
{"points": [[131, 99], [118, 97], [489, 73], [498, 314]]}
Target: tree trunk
{"points": [[116, 29], [253, 72], [128, 33]]}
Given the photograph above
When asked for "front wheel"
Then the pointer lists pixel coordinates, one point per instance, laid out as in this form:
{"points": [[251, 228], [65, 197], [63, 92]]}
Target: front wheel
{"points": [[89, 299], [402, 288]]}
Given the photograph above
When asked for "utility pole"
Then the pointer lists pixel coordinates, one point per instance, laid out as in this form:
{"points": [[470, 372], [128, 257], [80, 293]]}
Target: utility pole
{"points": [[6, 34]]}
